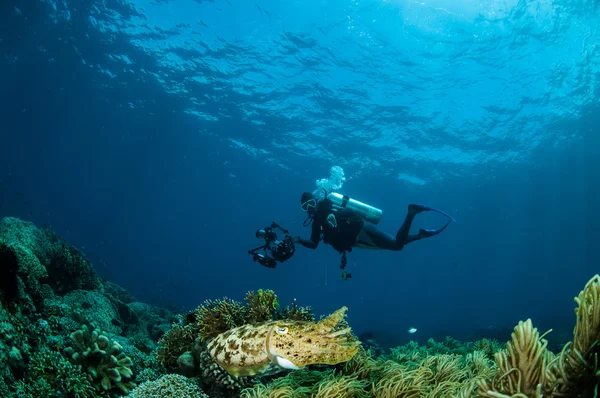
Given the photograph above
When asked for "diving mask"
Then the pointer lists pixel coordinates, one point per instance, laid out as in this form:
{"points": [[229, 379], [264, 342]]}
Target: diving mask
{"points": [[308, 204]]}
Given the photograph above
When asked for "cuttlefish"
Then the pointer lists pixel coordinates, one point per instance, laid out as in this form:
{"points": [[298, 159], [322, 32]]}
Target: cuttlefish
{"points": [[274, 346]]}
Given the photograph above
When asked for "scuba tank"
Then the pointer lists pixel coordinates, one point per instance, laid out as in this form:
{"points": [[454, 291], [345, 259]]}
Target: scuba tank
{"points": [[370, 213]]}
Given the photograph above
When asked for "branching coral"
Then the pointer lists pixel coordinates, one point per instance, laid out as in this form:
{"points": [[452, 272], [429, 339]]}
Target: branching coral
{"points": [[295, 313], [210, 319], [261, 305], [102, 358], [49, 374], [214, 317]]}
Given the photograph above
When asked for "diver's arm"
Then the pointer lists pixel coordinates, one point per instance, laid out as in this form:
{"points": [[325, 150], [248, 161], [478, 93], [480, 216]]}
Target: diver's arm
{"points": [[311, 244], [315, 236]]}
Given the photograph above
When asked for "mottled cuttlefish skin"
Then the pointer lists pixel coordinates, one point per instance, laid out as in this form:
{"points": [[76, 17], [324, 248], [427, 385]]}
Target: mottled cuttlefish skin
{"points": [[273, 346]]}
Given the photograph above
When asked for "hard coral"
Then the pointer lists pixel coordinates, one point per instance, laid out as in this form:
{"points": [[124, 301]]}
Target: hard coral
{"points": [[94, 305], [16, 232], [174, 343], [49, 374], [21, 265], [102, 358], [214, 317], [68, 268], [168, 386], [261, 305], [295, 313], [41, 258]]}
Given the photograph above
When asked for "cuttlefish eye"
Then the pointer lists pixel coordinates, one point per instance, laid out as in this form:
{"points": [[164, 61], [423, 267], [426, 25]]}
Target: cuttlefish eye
{"points": [[281, 330]]}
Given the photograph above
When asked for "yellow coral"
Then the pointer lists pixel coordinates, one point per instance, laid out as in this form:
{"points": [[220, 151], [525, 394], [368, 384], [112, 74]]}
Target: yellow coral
{"points": [[340, 387], [399, 381], [214, 317], [522, 365], [576, 368], [261, 391], [479, 366], [528, 370], [261, 305], [362, 365]]}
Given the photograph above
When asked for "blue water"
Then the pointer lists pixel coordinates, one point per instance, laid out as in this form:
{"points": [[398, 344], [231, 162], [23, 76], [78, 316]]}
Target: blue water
{"points": [[157, 136]]}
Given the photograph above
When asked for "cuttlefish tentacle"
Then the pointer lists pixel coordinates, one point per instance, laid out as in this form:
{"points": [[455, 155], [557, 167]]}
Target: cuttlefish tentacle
{"points": [[276, 345]]}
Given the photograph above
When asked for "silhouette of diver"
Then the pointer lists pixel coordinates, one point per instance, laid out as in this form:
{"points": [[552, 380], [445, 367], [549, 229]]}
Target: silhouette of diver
{"points": [[345, 228]]}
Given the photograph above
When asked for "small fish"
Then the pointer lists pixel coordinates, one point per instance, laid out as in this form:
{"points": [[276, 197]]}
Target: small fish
{"points": [[412, 330], [270, 347]]}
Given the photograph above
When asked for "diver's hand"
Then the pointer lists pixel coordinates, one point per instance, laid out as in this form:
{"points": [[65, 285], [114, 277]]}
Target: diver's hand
{"points": [[295, 238]]}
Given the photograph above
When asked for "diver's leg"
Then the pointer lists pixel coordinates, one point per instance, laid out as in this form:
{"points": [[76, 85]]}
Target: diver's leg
{"points": [[402, 234], [370, 237]]}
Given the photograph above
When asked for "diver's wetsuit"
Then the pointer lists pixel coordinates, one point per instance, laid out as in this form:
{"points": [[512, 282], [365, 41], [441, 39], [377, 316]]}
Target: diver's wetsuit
{"points": [[353, 231]]}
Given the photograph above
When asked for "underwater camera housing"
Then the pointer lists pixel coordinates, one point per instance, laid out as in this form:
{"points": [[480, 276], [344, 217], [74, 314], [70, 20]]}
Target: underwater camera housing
{"points": [[274, 250]]}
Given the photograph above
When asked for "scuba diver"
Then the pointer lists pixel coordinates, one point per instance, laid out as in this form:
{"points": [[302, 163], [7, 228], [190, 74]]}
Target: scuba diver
{"points": [[345, 223]]}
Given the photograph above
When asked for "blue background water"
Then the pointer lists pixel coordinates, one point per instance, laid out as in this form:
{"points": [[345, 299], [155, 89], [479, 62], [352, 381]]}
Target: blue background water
{"points": [[158, 136]]}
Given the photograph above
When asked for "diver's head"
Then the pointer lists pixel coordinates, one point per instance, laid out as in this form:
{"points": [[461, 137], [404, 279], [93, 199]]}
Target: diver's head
{"points": [[308, 202]]}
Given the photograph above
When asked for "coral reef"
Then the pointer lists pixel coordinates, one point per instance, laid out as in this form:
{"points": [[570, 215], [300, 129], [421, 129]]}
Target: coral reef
{"points": [[217, 316], [64, 332], [295, 313], [68, 268], [442, 375], [261, 305], [529, 369], [214, 317], [96, 306], [35, 258], [175, 343], [49, 373], [102, 358], [168, 386], [47, 290]]}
